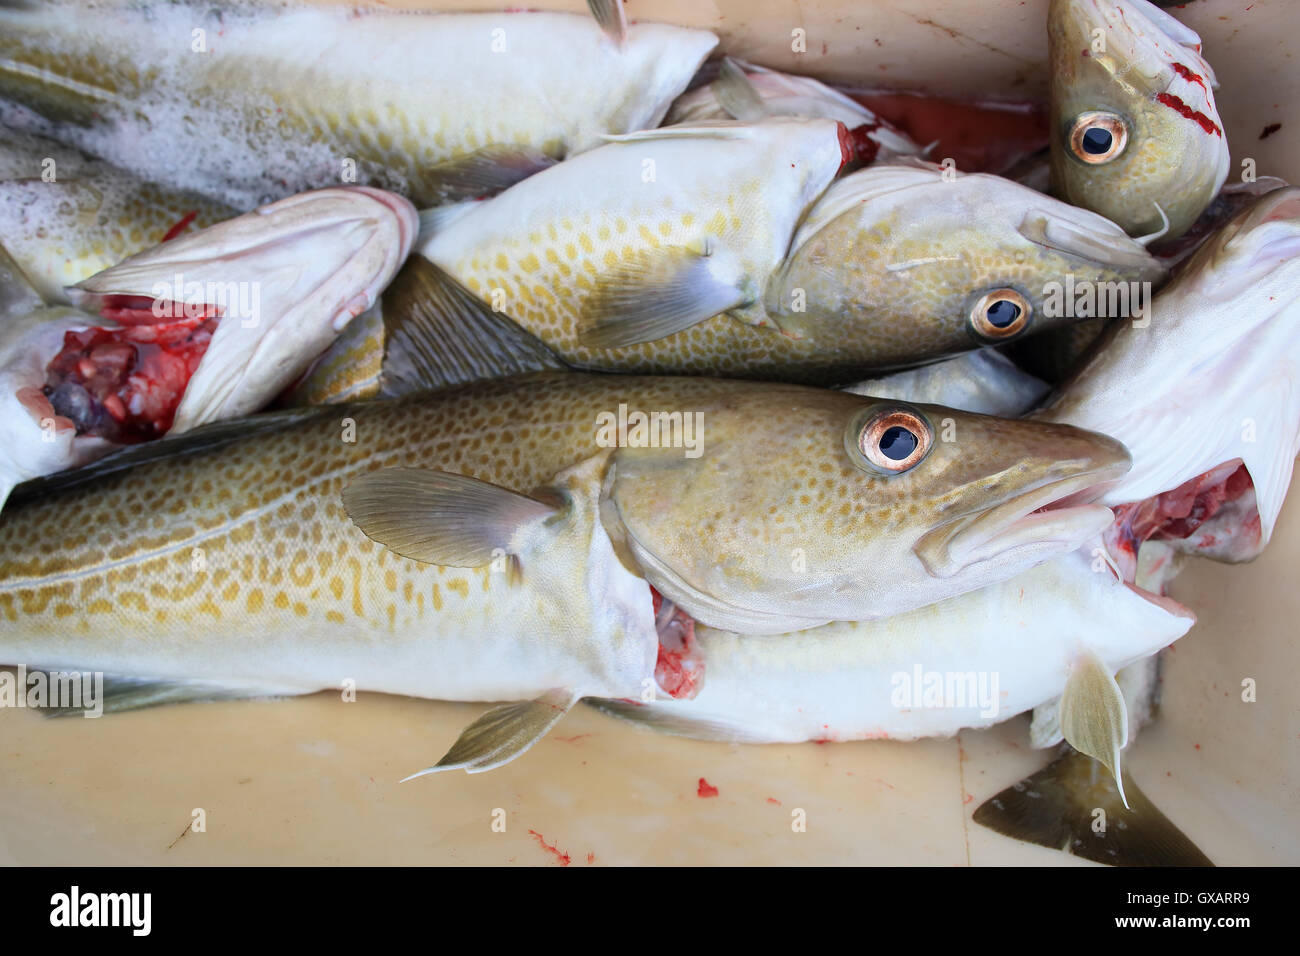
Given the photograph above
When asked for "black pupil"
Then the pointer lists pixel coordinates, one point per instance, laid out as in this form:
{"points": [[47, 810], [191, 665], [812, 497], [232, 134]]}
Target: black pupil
{"points": [[1002, 313], [897, 443], [1096, 141]]}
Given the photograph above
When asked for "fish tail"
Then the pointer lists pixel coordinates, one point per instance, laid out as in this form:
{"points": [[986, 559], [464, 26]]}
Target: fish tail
{"points": [[1074, 805]]}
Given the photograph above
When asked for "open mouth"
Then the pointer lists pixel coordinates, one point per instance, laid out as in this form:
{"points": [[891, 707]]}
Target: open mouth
{"points": [[124, 383], [1181, 515], [1061, 511]]}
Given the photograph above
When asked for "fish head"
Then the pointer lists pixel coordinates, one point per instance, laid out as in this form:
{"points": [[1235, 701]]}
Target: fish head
{"points": [[920, 261], [798, 506], [272, 289], [1206, 394], [1133, 120]]}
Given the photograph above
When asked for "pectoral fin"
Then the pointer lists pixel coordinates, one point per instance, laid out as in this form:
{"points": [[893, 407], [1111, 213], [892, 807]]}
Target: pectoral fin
{"points": [[660, 293], [439, 518], [484, 172], [503, 733], [1092, 714], [610, 17], [736, 94], [1074, 805]]}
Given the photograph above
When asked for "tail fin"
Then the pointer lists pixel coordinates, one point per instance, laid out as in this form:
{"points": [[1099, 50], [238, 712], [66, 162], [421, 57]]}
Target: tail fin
{"points": [[1073, 805]]}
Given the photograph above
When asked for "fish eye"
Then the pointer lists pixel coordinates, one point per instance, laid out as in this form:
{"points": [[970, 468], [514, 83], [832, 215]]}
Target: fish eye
{"points": [[889, 439], [1097, 137], [1000, 314]]}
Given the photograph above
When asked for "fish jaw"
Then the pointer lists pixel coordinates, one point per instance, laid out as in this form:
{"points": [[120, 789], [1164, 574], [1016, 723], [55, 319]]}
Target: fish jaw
{"points": [[896, 257], [1152, 77], [284, 280], [1009, 646], [1189, 392], [777, 527]]}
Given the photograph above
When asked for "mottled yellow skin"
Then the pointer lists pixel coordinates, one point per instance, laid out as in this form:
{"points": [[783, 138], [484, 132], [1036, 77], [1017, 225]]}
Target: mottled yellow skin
{"points": [[1170, 159], [268, 100], [283, 585], [350, 370]]}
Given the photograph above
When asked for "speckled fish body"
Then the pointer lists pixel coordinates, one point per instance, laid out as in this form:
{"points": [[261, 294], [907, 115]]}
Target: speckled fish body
{"points": [[772, 274], [248, 103], [1133, 120], [240, 563], [65, 216]]}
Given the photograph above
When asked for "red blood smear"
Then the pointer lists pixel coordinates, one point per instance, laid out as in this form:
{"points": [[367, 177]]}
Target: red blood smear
{"points": [[177, 229], [1188, 75], [564, 858], [138, 374], [706, 789], [1182, 109], [980, 138]]}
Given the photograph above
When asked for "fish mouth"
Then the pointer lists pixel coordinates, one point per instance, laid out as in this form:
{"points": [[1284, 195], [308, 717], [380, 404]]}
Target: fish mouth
{"points": [[1059, 513]]}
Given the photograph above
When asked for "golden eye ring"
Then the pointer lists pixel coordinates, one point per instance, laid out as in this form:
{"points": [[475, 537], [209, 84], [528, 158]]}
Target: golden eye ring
{"points": [[1097, 137], [1000, 315], [889, 440]]}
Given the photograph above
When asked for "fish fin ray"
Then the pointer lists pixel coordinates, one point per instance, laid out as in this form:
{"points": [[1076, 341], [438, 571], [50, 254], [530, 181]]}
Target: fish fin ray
{"points": [[503, 733], [664, 720], [736, 94], [656, 295], [436, 517], [1057, 807], [440, 334], [122, 693], [482, 173], [611, 18], [1092, 714], [202, 439]]}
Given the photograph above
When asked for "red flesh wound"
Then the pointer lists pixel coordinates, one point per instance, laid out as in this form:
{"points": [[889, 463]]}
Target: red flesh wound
{"points": [[680, 665], [847, 153], [125, 384], [864, 148], [1177, 514]]}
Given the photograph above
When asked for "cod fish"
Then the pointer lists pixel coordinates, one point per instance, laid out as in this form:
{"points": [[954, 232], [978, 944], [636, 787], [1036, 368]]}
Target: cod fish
{"points": [[1134, 133], [745, 91], [1209, 408], [482, 543], [1053, 637], [433, 106], [1047, 640], [207, 326], [728, 249], [65, 216]]}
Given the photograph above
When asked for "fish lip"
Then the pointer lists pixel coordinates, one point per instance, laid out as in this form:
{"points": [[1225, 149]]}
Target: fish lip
{"points": [[1061, 509], [1163, 601]]}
